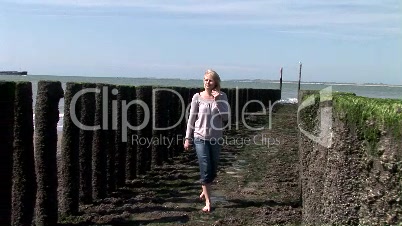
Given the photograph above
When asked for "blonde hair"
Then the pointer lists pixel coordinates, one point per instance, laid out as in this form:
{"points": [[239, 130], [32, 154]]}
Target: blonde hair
{"points": [[215, 77]]}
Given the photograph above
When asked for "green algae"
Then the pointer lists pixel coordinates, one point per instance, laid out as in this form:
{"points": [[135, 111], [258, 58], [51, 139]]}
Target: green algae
{"points": [[373, 117]]}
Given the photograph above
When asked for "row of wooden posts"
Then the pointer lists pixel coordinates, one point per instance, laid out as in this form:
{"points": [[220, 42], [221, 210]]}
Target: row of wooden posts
{"points": [[91, 163]]}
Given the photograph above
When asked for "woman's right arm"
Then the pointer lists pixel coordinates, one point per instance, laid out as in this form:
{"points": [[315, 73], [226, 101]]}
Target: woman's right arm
{"points": [[191, 121]]}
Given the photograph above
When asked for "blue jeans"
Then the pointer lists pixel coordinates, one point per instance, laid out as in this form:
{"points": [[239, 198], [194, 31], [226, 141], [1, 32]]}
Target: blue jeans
{"points": [[208, 158]]}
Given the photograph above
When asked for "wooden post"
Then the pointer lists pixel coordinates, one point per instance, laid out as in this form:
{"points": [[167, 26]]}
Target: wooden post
{"points": [[280, 80], [111, 139], [119, 145], [131, 149], [87, 116], [144, 151], [99, 145], [24, 179], [7, 98], [298, 88], [160, 122], [46, 118], [69, 164]]}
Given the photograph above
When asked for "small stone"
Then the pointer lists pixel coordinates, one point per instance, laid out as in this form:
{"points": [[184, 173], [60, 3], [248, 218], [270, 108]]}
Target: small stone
{"points": [[391, 219]]}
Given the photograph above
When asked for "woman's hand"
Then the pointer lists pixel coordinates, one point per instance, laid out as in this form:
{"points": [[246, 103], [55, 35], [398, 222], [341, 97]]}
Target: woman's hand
{"points": [[215, 93], [187, 145]]}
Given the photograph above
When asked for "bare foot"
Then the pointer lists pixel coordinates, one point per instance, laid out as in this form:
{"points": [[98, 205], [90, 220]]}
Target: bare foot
{"points": [[206, 209]]}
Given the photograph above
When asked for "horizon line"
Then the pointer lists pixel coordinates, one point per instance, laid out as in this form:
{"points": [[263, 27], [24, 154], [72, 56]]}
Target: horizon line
{"points": [[238, 80]]}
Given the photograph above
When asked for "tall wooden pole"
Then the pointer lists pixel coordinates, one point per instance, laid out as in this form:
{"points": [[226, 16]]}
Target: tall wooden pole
{"points": [[7, 98], [48, 96], [298, 88], [24, 180], [280, 80]]}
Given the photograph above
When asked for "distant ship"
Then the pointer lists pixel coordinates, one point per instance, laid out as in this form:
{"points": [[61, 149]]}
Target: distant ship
{"points": [[23, 73]]}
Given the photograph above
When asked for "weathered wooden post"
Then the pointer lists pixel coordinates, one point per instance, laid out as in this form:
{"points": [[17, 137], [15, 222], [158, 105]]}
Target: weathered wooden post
{"points": [[159, 124], [298, 87], [111, 138], [144, 118], [232, 101], [70, 171], [131, 147], [280, 80], [173, 112], [99, 151], [178, 148], [24, 180], [239, 105], [120, 146], [85, 138], [46, 118], [7, 95], [168, 98]]}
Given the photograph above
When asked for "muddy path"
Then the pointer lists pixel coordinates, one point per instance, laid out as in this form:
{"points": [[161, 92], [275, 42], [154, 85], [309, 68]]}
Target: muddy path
{"points": [[257, 184]]}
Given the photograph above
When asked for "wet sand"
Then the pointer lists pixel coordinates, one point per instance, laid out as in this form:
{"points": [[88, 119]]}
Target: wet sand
{"points": [[257, 184]]}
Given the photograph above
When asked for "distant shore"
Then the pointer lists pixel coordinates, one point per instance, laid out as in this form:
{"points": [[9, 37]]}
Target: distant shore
{"points": [[272, 81]]}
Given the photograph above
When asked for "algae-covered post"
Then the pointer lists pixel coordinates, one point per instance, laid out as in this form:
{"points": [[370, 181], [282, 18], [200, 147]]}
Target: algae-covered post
{"points": [[251, 106], [131, 149], [160, 122], [230, 93], [241, 102], [178, 110], [70, 172], [144, 135], [85, 162], [172, 120], [7, 95], [227, 91], [46, 118], [246, 98], [119, 145], [170, 133], [24, 180], [111, 138], [99, 151]]}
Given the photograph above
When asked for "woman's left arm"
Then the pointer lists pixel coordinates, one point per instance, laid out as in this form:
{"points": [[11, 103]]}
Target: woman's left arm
{"points": [[222, 104]]}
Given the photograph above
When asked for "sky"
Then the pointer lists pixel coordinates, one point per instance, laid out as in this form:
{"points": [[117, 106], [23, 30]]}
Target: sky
{"points": [[356, 41]]}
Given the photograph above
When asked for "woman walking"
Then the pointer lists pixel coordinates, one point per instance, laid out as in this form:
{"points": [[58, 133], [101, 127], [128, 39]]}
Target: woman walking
{"points": [[208, 110]]}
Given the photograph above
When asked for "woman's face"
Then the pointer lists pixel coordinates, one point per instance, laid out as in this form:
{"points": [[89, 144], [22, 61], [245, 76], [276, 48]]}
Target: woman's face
{"points": [[209, 82]]}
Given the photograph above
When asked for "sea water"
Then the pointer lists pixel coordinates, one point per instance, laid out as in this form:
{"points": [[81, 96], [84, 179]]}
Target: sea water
{"points": [[289, 88]]}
